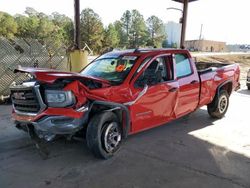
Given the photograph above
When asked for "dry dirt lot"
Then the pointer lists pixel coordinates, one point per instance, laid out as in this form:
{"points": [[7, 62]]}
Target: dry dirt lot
{"points": [[195, 151]]}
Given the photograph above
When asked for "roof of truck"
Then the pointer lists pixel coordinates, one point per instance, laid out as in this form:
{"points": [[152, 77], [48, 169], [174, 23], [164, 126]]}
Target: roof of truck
{"points": [[116, 53]]}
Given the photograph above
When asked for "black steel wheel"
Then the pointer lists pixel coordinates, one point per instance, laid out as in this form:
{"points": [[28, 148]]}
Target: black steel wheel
{"points": [[218, 108], [104, 135]]}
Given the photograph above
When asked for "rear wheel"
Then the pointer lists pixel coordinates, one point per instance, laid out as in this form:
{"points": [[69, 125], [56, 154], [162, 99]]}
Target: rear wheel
{"points": [[218, 108], [104, 135], [248, 87]]}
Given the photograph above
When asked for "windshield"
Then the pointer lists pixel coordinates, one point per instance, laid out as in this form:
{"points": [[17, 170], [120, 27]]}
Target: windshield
{"points": [[113, 69]]}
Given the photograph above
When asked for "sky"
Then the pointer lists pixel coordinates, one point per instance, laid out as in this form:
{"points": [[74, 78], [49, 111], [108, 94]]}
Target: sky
{"points": [[223, 20]]}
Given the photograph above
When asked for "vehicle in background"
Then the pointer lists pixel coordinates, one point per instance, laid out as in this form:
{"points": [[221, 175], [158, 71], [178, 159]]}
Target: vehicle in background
{"points": [[248, 79], [118, 94]]}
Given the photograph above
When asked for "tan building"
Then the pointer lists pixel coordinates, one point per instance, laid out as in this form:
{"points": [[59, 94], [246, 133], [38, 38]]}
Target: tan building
{"points": [[205, 45]]}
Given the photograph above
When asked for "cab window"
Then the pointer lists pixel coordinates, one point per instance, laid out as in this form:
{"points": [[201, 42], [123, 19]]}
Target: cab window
{"points": [[155, 73], [183, 67]]}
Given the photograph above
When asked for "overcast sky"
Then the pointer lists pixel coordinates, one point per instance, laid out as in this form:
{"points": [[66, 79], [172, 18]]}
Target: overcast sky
{"points": [[223, 20]]}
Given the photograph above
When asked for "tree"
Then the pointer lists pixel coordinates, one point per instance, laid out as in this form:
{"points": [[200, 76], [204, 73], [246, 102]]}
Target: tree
{"points": [[134, 31], [156, 31], [111, 38], [122, 35], [64, 26], [27, 26], [8, 26], [31, 11], [91, 29], [46, 29], [138, 31], [126, 21], [131, 31], [56, 28], [68, 30]]}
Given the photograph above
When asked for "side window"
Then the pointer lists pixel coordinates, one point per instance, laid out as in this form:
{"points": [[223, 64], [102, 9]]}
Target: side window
{"points": [[155, 73], [183, 67]]}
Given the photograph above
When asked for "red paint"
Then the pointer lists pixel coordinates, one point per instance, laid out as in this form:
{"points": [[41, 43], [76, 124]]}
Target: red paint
{"points": [[158, 106]]}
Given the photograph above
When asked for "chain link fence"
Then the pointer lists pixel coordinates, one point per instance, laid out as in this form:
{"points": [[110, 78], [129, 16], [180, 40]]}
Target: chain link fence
{"points": [[27, 53]]}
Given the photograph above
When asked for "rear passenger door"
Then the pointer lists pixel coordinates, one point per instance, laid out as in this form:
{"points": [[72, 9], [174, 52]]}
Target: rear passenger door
{"points": [[189, 86]]}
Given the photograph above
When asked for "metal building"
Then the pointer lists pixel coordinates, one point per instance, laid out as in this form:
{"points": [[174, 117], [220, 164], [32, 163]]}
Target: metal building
{"points": [[205, 45]]}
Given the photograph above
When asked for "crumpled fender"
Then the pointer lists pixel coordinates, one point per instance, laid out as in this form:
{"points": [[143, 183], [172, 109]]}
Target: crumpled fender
{"points": [[81, 92]]}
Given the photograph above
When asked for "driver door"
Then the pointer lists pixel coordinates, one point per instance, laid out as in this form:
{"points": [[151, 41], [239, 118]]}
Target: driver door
{"points": [[156, 106]]}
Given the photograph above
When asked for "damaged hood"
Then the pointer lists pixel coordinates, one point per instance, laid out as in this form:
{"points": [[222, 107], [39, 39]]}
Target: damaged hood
{"points": [[51, 75], [80, 89]]}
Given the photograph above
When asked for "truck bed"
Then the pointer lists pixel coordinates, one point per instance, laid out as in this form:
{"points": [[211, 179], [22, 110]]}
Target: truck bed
{"points": [[205, 67], [212, 75]]}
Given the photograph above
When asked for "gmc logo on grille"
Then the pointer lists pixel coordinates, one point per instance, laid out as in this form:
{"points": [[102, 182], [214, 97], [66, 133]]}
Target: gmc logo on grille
{"points": [[19, 95]]}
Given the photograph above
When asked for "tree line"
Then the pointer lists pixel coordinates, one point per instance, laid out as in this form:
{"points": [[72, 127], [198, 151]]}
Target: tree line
{"points": [[130, 31]]}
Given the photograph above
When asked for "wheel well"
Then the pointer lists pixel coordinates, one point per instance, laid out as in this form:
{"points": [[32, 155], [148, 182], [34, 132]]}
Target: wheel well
{"points": [[100, 108], [227, 87], [119, 110]]}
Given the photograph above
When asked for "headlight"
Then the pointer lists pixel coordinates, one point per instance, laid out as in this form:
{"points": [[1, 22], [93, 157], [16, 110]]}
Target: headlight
{"points": [[56, 98]]}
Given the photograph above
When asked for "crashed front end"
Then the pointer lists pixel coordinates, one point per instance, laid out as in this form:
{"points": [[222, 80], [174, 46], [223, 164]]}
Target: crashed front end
{"points": [[51, 114], [49, 109]]}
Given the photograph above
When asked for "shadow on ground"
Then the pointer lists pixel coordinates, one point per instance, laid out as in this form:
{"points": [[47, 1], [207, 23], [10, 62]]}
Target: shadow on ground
{"points": [[166, 156], [244, 91]]}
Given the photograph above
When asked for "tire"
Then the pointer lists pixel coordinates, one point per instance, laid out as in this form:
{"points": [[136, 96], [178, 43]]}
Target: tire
{"points": [[218, 107], [104, 135], [248, 87]]}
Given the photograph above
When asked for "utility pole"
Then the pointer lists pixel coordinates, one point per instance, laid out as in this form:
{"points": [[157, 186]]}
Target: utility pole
{"points": [[184, 19], [184, 23], [77, 58], [77, 35]]}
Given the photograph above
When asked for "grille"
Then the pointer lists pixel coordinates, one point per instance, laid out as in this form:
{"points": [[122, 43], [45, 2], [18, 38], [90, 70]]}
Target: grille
{"points": [[25, 100]]}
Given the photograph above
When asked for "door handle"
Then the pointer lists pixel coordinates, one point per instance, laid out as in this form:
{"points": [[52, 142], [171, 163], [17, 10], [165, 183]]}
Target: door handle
{"points": [[194, 82], [173, 89]]}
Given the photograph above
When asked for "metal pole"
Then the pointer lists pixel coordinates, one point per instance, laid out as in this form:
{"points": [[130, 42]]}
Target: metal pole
{"points": [[184, 23], [77, 39], [201, 32]]}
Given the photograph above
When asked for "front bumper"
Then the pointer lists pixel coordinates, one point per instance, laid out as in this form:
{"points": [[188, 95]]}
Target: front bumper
{"points": [[55, 124], [58, 125]]}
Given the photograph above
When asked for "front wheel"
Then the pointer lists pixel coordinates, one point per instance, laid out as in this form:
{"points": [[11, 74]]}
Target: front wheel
{"points": [[218, 108], [104, 135]]}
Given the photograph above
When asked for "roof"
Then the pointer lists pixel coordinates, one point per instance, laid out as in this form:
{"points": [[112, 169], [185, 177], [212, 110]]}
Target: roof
{"points": [[137, 52]]}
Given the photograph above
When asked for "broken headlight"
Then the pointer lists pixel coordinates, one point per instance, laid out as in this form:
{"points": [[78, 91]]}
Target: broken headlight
{"points": [[59, 99]]}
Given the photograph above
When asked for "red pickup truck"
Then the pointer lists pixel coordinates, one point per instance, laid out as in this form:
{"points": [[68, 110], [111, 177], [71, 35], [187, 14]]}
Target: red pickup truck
{"points": [[120, 93]]}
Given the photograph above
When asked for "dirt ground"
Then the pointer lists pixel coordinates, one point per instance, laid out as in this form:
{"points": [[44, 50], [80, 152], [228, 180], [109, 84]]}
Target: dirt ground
{"points": [[195, 151]]}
